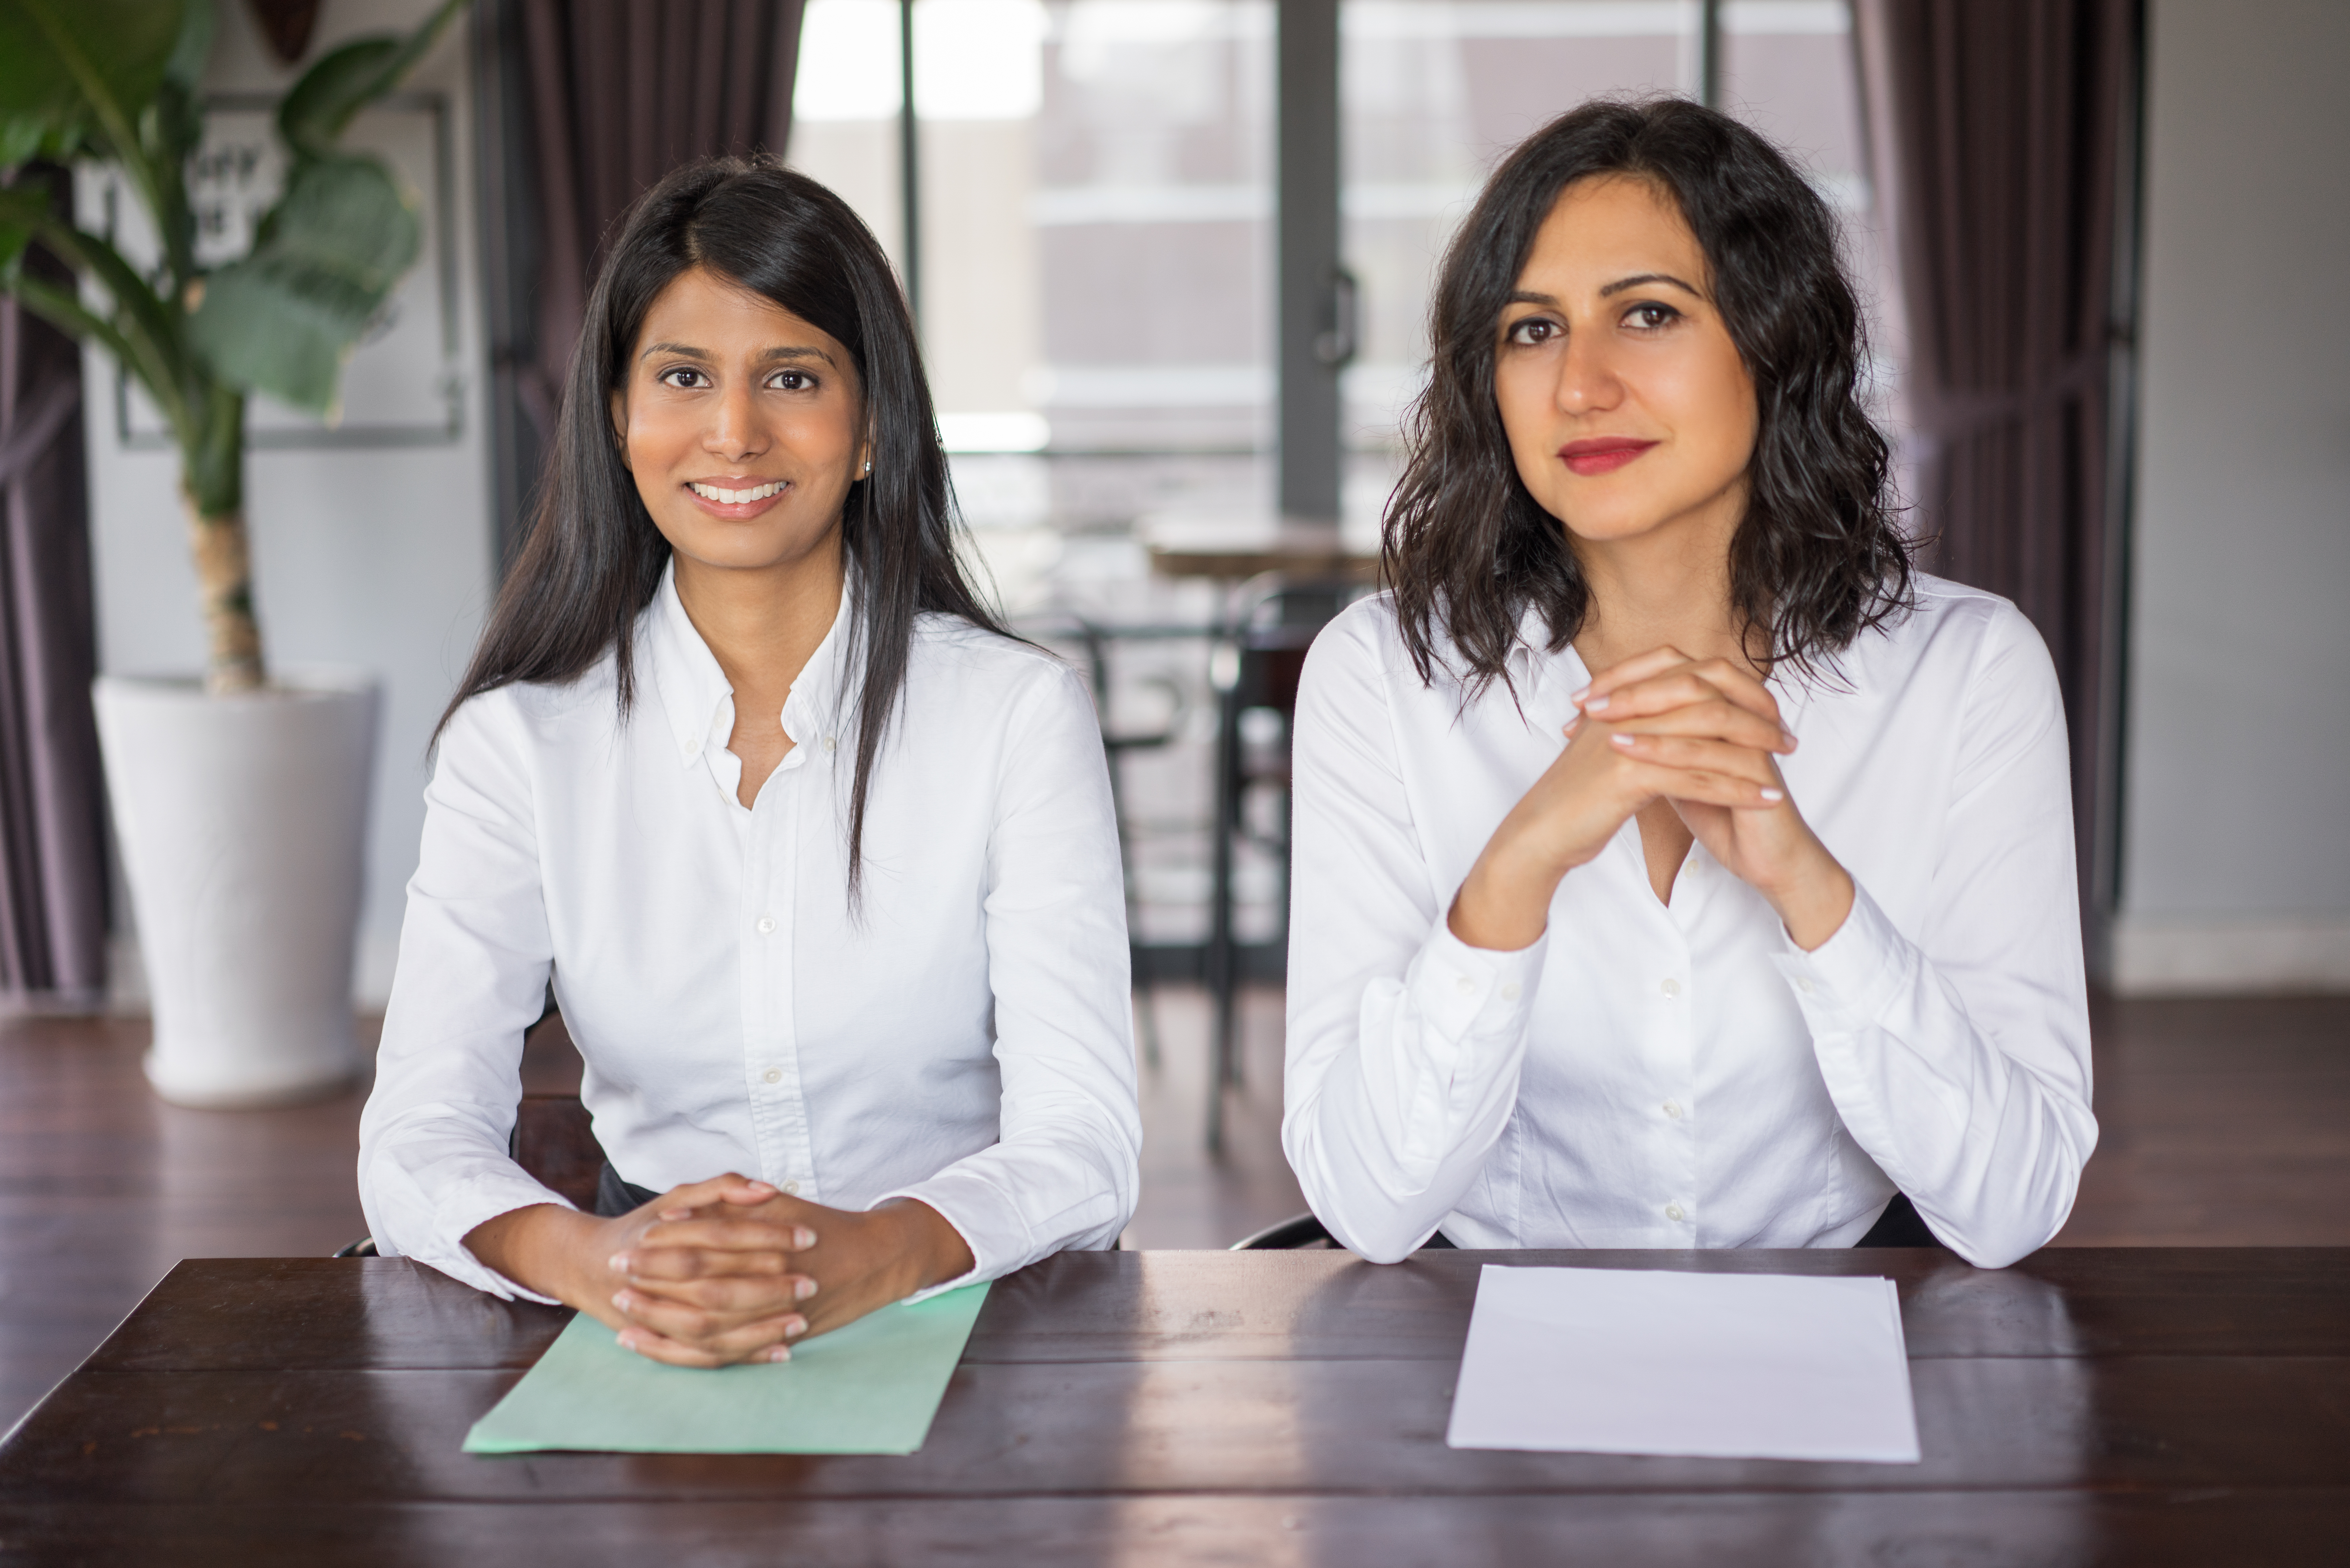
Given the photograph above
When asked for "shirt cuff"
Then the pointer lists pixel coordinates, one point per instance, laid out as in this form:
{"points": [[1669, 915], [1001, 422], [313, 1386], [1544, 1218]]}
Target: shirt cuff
{"points": [[1458, 989], [1845, 983], [478, 1202]]}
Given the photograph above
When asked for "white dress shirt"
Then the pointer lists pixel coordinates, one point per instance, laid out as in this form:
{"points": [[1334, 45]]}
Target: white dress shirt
{"points": [[964, 1037], [1650, 1075]]}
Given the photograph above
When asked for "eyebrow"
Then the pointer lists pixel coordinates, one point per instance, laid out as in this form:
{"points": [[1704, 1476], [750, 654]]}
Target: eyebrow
{"points": [[688, 351], [1526, 296], [1636, 279]]}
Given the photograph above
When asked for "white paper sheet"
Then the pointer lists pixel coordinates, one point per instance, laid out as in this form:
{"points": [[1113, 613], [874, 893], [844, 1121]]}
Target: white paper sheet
{"points": [[1624, 1360]]}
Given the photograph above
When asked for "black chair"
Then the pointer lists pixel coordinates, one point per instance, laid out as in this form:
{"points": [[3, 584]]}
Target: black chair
{"points": [[1271, 622], [1096, 638], [1296, 1234]]}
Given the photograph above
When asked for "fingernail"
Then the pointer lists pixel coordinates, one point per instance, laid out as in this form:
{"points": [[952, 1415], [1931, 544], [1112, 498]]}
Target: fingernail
{"points": [[794, 1327], [622, 1300], [758, 1187], [1623, 741], [1789, 736], [804, 1289], [1774, 794], [619, 1262], [1575, 696], [803, 1238], [628, 1339], [1594, 706], [781, 1353]]}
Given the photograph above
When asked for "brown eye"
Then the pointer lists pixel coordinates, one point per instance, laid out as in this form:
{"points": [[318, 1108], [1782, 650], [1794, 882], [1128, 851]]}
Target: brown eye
{"points": [[1533, 330]]}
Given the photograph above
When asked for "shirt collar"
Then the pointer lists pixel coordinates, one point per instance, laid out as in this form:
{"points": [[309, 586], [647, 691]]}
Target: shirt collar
{"points": [[697, 697], [1533, 664]]}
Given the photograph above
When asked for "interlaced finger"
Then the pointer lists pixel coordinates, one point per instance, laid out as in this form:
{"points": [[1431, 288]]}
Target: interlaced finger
{"points": [[1704, 755], [1618, 691], [764, 1340], [1655, 661], [1707, 786], [720, 1230], [1716, 719], [697, 1324], [1680, 688]]}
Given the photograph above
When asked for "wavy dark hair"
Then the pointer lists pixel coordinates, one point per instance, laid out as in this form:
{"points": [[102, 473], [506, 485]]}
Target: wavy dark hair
{"points": [[1819, 556], [592, 560]]}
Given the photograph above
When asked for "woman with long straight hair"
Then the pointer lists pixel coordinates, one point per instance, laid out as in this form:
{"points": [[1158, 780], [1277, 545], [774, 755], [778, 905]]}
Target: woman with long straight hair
{"points": [[1675, 866], [818, 860]]}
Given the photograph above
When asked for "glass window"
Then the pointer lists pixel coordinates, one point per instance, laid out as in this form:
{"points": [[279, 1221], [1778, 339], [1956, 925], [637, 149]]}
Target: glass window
{"points": [[1436, 91], [1096, 281]]}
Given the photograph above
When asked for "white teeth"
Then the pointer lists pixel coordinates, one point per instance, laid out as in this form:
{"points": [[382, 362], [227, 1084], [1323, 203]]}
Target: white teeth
{"points": [[736, 497]]}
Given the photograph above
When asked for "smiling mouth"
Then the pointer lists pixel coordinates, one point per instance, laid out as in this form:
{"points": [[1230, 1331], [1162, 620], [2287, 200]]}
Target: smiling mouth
{"points": [[1603, 455], [723, 497]]}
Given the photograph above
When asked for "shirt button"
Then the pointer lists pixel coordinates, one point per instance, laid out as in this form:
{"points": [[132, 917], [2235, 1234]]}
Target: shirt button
{"points": [[766, 924], [791, 1189], [1669, 986], [1673, 1212], [1673, 1109], [772, 1076], [1804, 985], [1465, 985], [828, 745], [1510, 991]]}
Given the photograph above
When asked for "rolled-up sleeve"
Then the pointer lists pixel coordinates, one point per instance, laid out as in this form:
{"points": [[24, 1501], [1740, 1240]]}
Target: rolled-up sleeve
{"points": [[1064, 1172], [1405, 1044], [475, 956], [1958, 1054]]}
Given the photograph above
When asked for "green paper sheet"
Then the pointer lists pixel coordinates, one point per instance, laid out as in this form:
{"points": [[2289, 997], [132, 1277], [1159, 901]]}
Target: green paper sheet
{"points": [[868, 1389]]}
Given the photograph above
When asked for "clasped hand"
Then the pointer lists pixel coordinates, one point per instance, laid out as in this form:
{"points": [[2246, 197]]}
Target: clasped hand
{"points": [[1704, 735], [732, 1270]]}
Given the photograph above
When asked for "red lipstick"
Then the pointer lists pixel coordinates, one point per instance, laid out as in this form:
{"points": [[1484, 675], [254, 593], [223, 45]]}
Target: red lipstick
{"points": [[1601, 455]]}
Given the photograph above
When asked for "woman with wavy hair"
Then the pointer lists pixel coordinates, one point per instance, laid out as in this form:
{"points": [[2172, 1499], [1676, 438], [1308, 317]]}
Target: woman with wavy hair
{"points": [[1675, 864], [818, 861]]}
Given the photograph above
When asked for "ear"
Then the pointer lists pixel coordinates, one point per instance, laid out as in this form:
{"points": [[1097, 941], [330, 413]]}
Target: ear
{"points": [[621, 426]]}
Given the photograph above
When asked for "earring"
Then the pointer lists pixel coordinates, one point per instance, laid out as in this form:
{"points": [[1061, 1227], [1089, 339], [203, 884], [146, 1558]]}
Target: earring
{"points": [[869, 465]]}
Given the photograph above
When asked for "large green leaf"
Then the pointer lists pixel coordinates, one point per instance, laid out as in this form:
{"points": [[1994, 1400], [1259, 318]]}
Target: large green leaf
{"points": [[319, 106], [282, 318], [70, 70]]}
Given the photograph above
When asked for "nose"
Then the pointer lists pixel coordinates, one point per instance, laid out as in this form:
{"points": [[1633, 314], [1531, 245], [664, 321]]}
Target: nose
{"points": [[736, 431], [1587, 381]]}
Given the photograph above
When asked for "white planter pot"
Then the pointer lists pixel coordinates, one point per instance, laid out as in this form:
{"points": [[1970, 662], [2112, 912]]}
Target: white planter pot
{"points": [[242, 823]]}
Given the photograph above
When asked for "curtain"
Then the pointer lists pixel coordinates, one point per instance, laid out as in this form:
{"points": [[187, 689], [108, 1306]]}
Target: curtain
{"points": [[2004, 136], [53, 907], [588, 103]]}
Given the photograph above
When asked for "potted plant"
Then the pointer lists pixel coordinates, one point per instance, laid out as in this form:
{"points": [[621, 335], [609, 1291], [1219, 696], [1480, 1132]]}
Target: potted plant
{"points": [[240, 801]]}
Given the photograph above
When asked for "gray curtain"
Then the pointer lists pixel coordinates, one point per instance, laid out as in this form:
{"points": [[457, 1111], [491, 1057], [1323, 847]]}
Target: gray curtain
{"points": [[2007, 128], [52, 817], [586, 104]]}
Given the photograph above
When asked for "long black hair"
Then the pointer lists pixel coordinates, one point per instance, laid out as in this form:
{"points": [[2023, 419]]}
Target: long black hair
{"points": [[592, 558], [1819, 556]]}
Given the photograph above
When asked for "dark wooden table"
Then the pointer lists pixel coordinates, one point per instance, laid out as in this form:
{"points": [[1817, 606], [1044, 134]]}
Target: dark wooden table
{"points": [[2090, 1405]]}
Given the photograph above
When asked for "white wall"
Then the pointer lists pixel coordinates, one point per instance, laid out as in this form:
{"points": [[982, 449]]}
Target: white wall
{"points": [[2236, 867], [379, 558]]}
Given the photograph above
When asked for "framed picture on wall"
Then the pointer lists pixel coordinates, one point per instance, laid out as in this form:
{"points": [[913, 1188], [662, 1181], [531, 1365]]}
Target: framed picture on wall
{"points": [[404, 385]]}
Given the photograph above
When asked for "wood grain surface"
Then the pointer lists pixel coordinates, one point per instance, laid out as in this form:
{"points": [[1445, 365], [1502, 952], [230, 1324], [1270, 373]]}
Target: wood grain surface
{"points": [[2155, 1406]]}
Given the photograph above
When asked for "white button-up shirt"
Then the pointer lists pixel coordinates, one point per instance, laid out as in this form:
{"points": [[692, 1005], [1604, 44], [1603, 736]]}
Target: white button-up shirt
{"points": [[964, 1037], [1652, 1074]]}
